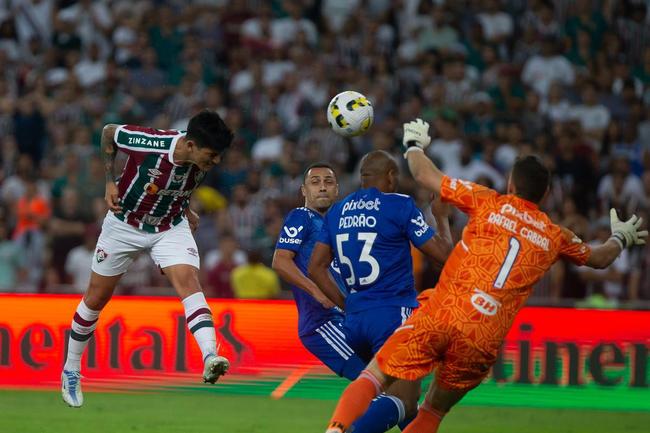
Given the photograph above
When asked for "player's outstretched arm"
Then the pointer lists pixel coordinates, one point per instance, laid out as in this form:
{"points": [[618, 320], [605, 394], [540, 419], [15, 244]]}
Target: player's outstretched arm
{"points": [[416, 139], [319, 264], [109, 151], [625, 234], [604, 255], [286, 268]]}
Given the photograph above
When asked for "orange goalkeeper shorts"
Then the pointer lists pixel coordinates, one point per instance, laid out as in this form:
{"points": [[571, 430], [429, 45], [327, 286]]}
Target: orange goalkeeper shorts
{"points": [[427, 341]]}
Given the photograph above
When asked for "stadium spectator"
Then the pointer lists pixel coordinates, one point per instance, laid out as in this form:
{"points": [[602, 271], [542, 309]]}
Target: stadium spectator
{"points": [[285, 30], [14, 186], [620, 188], [458, 85], [67, 228], [32, 213], [147, 83], [507, 94], [12, 261], [575, 170], [593, 117], [243, 215], [270, 146], [541, 18], [474, 169], [91, 19], [556, 107], [30, 127], [497, 25], [77, 262], [447, 145], [542, 69], [224, 261], [437, 33], [34, 20], [255, 280]]}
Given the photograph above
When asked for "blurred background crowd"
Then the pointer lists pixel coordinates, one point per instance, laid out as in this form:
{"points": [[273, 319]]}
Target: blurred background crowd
{"points": [[566, 79]]}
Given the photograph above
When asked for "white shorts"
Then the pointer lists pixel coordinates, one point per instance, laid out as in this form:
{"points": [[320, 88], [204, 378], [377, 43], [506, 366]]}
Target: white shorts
{"points": [[119, 244]]}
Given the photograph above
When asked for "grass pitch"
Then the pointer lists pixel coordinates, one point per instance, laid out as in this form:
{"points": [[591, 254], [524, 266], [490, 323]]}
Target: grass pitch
{"points": [[201, 412]]}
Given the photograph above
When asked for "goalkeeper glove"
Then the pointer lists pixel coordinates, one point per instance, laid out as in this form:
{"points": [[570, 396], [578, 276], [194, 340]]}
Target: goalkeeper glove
{"points": [[416, 136], [627, 233]]}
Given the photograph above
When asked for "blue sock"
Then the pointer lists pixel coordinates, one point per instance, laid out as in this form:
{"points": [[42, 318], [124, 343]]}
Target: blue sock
{"points": [[406, 421], [384, 412]]}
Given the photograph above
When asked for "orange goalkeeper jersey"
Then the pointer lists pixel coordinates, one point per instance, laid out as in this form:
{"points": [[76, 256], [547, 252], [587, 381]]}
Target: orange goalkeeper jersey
{"points": [[506, 247]]}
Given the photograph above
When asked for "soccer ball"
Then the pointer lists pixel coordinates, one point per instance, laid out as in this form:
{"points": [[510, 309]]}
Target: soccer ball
{"points": [[349, 113]]}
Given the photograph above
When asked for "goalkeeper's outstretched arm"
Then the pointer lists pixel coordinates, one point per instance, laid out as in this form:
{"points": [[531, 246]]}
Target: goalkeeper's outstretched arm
{"points": [[604, 255], [424, 171]]}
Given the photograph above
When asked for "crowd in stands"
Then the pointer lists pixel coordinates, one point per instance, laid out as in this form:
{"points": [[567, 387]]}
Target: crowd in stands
{"points": [[566, 79]]}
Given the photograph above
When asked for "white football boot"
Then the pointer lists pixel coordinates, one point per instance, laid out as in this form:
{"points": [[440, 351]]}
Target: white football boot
{"points": [[71, 388], [214, 367]]}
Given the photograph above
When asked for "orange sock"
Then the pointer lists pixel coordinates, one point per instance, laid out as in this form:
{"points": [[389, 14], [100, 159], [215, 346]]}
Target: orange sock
{"points": [[354, 401], [427, 421]]}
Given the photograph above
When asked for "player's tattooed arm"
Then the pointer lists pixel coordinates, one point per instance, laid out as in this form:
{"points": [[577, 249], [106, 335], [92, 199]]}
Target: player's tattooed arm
{"points": [[319, 264], [109, 151]]}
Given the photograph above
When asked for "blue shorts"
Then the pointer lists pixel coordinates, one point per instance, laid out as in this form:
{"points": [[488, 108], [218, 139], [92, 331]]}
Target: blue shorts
{"points": [[329, 343], [368, 330]]}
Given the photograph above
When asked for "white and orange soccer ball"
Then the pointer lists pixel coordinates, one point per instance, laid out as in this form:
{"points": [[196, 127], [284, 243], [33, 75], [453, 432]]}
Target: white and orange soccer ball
{"points": [[349, 113]]}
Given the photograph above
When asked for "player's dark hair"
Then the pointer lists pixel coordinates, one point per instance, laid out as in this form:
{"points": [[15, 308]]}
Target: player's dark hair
{"points": [[208, 130], [531, 178], [317, 165]]}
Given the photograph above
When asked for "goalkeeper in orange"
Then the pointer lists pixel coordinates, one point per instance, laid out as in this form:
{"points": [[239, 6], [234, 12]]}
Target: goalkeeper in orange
{"points": [[506, 247]]}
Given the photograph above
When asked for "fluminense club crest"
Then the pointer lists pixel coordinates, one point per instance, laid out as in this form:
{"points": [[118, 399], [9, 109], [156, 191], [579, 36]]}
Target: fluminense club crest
{"points": [[100, 255]]}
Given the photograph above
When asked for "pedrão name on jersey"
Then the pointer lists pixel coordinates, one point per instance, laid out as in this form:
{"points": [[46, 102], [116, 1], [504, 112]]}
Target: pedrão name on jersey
{"points": [[357, 221]]}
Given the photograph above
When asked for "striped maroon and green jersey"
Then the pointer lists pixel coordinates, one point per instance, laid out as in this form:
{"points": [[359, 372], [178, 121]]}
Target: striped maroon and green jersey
{"points": [[153, 190]]}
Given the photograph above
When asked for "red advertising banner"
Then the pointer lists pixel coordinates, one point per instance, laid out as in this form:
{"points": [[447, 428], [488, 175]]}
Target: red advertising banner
{"points": [[141, 337], [140, 341]]}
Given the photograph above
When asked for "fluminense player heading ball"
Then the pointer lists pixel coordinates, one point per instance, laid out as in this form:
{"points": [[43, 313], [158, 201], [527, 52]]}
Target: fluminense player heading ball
{"points": [[148, 211]]}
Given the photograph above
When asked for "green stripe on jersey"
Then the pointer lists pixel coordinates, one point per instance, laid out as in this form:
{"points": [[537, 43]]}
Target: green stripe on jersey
{"points": [[143, 141], [130, 201]]}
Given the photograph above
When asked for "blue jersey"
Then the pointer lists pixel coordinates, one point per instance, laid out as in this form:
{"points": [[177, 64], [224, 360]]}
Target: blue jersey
{"points": [[369, 232], [299, 234]]}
